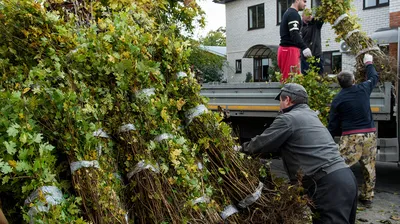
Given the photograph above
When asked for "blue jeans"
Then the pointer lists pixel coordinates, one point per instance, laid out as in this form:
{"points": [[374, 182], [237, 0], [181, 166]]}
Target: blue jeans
{"points": [[305, 66]]}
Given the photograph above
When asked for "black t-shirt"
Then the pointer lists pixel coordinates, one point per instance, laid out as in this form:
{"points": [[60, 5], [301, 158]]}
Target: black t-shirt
{"points": [[311, 33], [290, 30]]}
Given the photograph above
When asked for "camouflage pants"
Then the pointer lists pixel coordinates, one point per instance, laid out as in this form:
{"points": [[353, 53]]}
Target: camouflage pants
{"points": [[361, 148]]}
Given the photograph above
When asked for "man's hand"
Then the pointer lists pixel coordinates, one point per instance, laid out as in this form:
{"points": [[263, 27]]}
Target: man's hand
{"points": [[307, 52], [368, 59]]}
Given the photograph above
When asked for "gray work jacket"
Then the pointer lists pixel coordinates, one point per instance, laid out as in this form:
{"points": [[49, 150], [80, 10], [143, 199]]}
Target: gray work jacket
{"points": [[303, 141]]}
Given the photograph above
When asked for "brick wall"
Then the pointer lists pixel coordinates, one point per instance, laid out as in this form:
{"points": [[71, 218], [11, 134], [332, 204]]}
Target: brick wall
{"points": [[394, 19], [394, 5]]}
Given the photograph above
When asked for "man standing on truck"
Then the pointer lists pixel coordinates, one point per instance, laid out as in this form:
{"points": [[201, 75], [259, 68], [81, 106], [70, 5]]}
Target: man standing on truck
{"points": [[308, 148], [291, 41], [311, 33], [351, 117]]}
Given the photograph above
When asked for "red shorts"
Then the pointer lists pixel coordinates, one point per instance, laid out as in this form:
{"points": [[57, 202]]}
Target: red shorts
{"points": [[288, 61]]}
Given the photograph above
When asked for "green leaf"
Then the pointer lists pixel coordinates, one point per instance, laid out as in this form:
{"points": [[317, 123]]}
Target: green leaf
{"points": [[13, 130], [37, 138], [23, 166], [45, 147], [5, 168], [10, 147]]}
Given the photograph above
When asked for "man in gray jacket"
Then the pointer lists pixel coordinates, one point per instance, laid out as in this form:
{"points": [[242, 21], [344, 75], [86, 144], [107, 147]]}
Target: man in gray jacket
{"points": [[308, 148]]}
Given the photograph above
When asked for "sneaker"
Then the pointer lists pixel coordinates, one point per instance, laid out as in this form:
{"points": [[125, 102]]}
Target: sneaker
{"points": [[366, 203]]}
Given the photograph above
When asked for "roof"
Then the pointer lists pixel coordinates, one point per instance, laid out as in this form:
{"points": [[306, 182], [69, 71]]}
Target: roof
{"points": [[223, 1], [385, 36], [217, 50], [261, 51]]}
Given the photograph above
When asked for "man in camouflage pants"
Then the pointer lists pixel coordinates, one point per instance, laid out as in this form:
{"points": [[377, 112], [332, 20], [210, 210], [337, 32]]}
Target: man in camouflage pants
{"points": [[351, 117]]}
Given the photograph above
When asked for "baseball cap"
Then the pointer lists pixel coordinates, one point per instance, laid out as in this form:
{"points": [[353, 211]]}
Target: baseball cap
{"points": [[293, 88]]}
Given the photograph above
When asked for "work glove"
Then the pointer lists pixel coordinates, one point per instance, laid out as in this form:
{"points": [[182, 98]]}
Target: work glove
{"points": [[368, 59], [307, 52], [237, 148]]}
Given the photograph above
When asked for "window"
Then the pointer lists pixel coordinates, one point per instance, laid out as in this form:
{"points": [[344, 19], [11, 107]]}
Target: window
{"points": [[261, 68], [375, 3], [332, 62], [238, 66], [281, 7], [256, 17]]}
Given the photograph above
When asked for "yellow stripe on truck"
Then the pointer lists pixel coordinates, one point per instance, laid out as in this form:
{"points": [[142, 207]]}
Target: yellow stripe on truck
{"points": [[262, 108], [242, 107]]}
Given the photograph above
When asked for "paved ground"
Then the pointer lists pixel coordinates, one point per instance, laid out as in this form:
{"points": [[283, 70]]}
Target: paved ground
{"points": [[386, 205]]}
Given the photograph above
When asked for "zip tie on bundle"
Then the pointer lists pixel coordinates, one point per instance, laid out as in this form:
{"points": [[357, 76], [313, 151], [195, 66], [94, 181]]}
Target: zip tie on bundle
{"points": [[200, 165], [339, 19], [376, 48], [203, 199], [126, 128], [164, 136], [180, 75], [100, 133], [250, 199], [228, 211], [53, 196], [84, 164], [140, 166], [145, 93], [194, 112], [351, 32]]}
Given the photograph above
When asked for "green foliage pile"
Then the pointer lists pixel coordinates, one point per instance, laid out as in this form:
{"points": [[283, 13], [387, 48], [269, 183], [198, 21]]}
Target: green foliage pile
{"points": [[73, 77], [319, 89], [347, 28]]}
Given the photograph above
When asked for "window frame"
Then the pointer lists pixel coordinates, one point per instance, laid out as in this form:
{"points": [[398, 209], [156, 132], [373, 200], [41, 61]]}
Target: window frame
{"points": [[377, 5], [277, 10], [238, 66], [248, 16], [331, 54]]}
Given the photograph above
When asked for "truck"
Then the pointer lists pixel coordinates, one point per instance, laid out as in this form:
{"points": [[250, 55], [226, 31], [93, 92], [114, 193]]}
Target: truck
{"points": [[250, 107]]}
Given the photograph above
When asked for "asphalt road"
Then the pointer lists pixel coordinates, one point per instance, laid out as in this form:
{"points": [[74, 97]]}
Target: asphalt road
{"points": [[386, 204]]}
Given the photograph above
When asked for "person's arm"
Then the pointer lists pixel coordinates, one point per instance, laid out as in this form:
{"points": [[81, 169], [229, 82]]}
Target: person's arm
{"points": [[271, 139], [372, 74], [294, 30], [3, 219], [334, 122], [318, 23]]}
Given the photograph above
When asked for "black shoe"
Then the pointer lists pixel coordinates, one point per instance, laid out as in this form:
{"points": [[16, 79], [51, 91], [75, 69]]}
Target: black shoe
{"points": [[366, 203]]}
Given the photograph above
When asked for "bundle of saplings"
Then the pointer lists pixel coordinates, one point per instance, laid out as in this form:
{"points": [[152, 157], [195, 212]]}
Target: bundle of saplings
{"points": [[347, 28]]}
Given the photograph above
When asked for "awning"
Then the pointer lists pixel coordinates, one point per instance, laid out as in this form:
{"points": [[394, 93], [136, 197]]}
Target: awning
{"points": [[223, 1], [261, 51], [385, 36]]}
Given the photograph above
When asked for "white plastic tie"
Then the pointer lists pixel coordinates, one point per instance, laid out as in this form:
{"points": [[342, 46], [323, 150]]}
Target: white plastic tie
{"points": [[339, 19], [140, 166], [127, 127], [52, 195], [100, 133], [376, 48], [164, 136], [180, 75], [194, 112], [84, 164], [200, 165], [228, 211], [250, 199], [203, 199], [351, 33], [145, 93]]}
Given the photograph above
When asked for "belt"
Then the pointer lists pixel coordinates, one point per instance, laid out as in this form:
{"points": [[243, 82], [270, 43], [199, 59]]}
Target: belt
{"points": [[308, 180]]}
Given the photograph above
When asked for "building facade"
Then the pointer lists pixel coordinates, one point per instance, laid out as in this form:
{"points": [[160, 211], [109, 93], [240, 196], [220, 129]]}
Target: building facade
{"points": [[252, 35]]}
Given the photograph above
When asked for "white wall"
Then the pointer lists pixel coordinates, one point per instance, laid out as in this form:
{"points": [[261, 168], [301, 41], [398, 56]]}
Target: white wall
{"points": [[239, 39]]}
